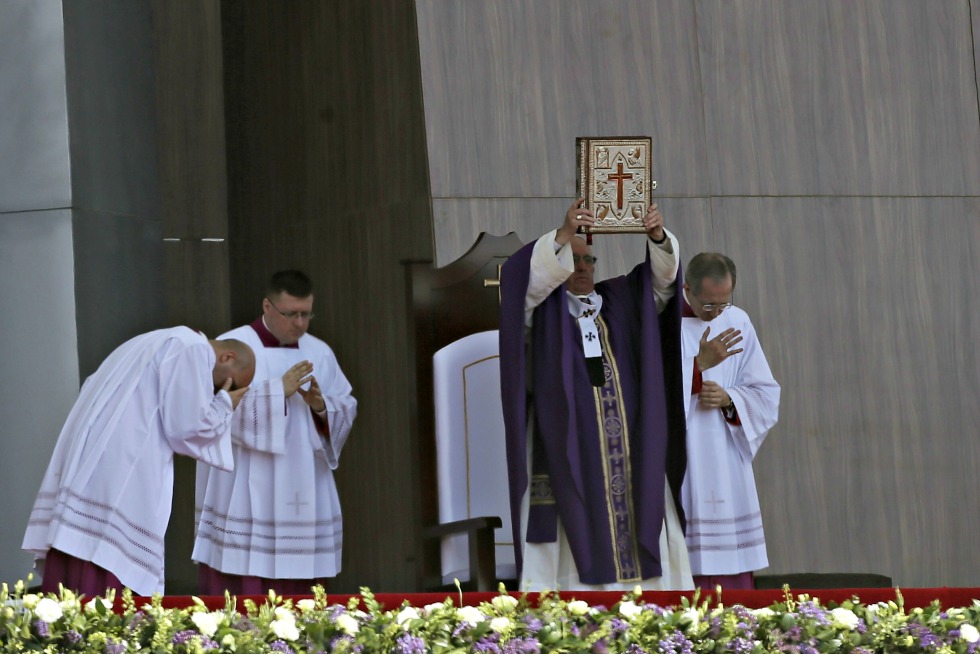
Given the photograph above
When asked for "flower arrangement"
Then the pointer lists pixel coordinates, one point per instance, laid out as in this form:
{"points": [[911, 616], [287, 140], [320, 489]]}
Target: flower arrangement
{"points": [[505, 625]]}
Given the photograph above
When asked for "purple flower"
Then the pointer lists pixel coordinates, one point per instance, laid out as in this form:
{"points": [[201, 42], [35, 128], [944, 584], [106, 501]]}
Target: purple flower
{"points": [[42, 628], [409, 644], [183, 637], [525, 645], [113, 647], [487, 645], [618, 626], [73, 637], [533, 624], [280, 646], [677, 643]]}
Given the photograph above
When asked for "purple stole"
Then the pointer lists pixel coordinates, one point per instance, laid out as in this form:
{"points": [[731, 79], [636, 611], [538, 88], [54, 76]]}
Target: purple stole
{"points": [[600, 454]]}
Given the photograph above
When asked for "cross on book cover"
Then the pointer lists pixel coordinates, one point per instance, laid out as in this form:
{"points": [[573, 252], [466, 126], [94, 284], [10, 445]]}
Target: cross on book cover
{"points": [[615, 178]]}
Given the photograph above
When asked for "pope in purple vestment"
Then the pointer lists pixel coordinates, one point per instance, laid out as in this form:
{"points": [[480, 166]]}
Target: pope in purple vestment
{"points": [[603, 440]]}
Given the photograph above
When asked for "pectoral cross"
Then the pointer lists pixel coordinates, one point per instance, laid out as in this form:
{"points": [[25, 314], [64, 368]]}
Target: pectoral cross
{"points": [[495, 282]]}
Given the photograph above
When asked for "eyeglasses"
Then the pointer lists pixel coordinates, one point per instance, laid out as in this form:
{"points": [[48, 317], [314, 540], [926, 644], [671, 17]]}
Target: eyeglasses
{"points": [[293, 315], [719, 307], [587, 258]]}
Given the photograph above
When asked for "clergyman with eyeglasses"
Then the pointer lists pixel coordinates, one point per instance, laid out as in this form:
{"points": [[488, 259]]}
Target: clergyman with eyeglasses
{"points": [[592, 397], [732, 403], [275, 522]]}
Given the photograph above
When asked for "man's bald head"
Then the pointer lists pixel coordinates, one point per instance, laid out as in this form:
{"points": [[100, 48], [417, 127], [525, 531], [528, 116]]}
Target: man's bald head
{"points": [[234, 359]]}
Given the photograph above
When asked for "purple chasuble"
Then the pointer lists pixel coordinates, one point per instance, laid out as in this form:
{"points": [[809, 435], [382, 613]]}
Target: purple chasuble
{"points": [[600, 454]]}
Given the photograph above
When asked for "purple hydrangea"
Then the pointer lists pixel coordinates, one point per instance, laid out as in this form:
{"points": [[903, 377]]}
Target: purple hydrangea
{"points": [[42, 628], [280, 646], [409, 644]]}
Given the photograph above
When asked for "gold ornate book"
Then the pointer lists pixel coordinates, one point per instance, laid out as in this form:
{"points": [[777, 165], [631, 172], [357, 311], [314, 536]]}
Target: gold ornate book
{"points": [[615, 179]]}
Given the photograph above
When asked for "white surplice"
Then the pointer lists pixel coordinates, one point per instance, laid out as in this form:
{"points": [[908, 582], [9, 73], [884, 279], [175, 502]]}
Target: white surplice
{"points": [[277, 516], [107, 493], [724, 519], [550, 566]]}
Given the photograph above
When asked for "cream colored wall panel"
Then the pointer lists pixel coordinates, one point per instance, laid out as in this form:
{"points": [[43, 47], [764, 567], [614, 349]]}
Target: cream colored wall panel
{"points": [[863, 308], [508, 85], [459, 222], [840, 98]]}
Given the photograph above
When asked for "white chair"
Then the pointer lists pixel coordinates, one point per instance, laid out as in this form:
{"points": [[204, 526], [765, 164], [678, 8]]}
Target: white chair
{"points": [[470, 454]]}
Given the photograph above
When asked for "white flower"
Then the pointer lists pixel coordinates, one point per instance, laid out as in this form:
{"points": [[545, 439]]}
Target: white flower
{"points": [[429, 609], [763, 613], [207, 623], [691, 617], [844, 618], [30, 600], [91, 607], [578, 607], [406, 614], [229, 642], [470, 614], [504, 603], [306, 605], [347, 624], [969, 633], [500, 624], [48, 610], [284, 614], [285, 628], [629, 610]]}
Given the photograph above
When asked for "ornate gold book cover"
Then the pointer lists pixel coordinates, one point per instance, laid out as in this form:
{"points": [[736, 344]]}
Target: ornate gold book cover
{"points": [[615, 179]]}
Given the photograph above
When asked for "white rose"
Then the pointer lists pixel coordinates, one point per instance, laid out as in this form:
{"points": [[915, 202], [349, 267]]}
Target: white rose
{"points": [[504, 603], [470, 614], [206, 623], [285, 629], [429, 609], [500, 624], [969, 633], [629, 610], [347, 624], [48, 610], [306, 605], [578, 607], [406, 614], [844, 618]]}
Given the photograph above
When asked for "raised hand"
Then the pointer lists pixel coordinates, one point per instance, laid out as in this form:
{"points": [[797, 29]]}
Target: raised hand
{"points": [[296, 376], [653, 222], [719, 348], [575, 217]]}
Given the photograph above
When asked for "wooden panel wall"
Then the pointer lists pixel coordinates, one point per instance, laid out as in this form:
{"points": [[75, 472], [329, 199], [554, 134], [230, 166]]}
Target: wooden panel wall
{"points": [[833, 150], [328, 173], [193, 198]]}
